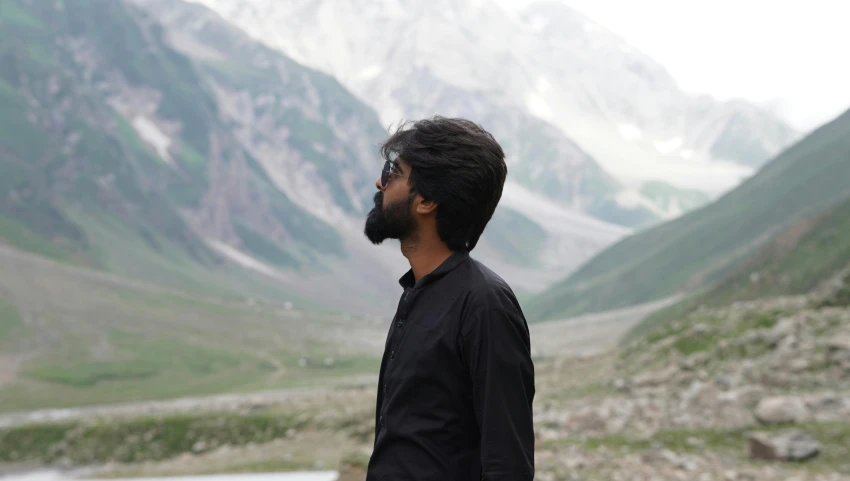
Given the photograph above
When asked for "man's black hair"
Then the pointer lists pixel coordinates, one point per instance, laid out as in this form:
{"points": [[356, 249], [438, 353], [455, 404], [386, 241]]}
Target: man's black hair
{"points": [[456, 164]]}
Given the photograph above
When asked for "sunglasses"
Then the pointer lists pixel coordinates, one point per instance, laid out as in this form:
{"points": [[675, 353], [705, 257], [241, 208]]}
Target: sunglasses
{"points": [[389, 169]]}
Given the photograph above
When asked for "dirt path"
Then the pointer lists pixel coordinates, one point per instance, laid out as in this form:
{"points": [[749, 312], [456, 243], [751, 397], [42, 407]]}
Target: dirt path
{"points": [[223, 402], [589, 334]]}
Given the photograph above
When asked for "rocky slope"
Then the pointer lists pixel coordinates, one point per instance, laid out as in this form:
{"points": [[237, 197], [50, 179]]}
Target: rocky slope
{"points": [[121, 154]]}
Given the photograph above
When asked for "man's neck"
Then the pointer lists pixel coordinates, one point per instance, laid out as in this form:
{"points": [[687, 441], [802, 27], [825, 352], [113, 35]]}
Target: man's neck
{"points": [[424, 257]]}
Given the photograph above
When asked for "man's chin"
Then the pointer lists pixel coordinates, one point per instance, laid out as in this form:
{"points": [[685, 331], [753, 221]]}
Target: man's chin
{"points": [[373, 233]]}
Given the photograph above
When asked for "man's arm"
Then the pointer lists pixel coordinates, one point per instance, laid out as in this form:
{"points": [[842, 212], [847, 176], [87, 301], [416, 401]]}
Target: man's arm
{"points": [[496, 349]]}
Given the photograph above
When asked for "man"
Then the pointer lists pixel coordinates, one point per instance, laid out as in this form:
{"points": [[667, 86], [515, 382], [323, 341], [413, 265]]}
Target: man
{"points": [[456, 379]]}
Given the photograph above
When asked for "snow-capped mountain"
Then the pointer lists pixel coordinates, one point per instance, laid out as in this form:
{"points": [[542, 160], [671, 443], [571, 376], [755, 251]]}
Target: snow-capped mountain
{"points": [[409, 58], [316, 146]]}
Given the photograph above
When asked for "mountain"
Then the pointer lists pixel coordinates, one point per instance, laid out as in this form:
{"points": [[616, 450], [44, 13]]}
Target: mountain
{"points": [[121, 153], [629, 112], [386, 54], [671, 201], [545, 69], [155, 141], [530, 240], [700, 248]]}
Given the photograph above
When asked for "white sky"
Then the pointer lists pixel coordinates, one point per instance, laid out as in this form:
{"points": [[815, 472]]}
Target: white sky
{"points": [[792, 55]]}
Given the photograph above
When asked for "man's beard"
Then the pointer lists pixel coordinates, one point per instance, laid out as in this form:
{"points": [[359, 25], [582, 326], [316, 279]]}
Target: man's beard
{"points": [[393, 222]]}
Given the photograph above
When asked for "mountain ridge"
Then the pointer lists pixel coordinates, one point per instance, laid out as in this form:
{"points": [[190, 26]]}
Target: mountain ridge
{"points": [[698, 248]]}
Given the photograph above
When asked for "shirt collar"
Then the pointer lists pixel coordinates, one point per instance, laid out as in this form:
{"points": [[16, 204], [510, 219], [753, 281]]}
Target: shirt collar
{"points": [[408, 281]]}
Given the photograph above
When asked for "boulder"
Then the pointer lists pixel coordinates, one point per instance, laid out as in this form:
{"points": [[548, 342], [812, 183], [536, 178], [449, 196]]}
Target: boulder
{"points": [[799, 365], [781, 409], [586, 421], [838, 348], [793, 445], [783, 329], [620, 385], [695, 361]]}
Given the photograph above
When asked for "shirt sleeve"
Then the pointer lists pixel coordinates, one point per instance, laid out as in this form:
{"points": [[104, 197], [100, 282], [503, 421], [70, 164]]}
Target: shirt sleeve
{"points": [[496, 349]]}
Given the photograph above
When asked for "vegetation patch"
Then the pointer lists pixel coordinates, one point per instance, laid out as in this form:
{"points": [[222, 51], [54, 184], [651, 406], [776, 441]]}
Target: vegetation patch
{"points": [[141, 439], [147, 358]]}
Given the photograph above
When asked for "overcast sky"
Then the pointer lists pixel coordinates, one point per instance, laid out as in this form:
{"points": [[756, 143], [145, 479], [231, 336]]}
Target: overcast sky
{"points": [[791, 54]]}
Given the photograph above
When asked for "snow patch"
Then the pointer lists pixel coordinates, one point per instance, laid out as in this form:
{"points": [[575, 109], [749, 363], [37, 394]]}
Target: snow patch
{"points": [[538, 23], [674, 208], [628, 199], [543, 85], [630, 132], [632, 199], [370, 72], [557, 219], [245, 260], [538, 106], [151, 134], [668, 146]]}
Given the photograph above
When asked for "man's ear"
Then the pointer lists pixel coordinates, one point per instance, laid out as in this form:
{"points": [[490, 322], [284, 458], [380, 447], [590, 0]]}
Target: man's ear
{"points": [[425, 207]]}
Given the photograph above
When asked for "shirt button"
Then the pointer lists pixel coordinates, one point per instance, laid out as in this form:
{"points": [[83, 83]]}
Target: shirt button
{"points": [[398, 324], [392, 355]]}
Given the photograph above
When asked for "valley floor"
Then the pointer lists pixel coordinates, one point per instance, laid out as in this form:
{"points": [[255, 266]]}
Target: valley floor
{"points": [[709, 397]]}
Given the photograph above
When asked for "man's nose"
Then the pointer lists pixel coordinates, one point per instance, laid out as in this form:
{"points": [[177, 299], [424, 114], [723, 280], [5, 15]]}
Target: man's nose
{"points": [[378, 184]]}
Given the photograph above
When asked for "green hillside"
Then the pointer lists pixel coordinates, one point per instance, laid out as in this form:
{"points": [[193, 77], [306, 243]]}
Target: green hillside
{"points": [[809, 254], [701, 247]]}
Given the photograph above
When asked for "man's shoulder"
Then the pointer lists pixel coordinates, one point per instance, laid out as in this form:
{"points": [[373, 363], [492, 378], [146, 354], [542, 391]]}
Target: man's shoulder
{"points": [[486, 288]]}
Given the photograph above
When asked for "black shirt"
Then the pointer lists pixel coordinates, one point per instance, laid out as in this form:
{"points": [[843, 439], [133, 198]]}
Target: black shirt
{"points": [[456, 381]]}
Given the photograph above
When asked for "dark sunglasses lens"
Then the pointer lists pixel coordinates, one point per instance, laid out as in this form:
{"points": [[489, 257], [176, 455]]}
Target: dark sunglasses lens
{"points": [[385, 174]]}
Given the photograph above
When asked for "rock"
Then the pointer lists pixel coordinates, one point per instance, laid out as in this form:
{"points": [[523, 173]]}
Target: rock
{"points": [[781, 409], [724, 381], [701, 329], [695, 361], [680, 462], [730, 475], [790, 445], [656, 378], [788, 344], [775, 378], [620, 385], [799, 365], [199, 446], [587, 421], [839, 343], [838, 349]]}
